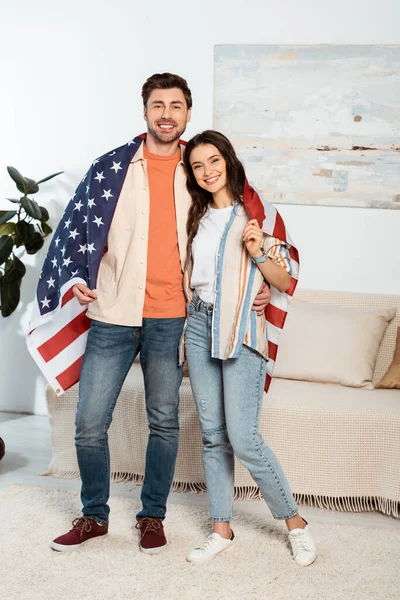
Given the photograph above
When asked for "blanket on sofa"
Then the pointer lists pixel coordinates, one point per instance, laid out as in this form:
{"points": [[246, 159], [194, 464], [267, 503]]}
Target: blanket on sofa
{"points": [[340, 446]]}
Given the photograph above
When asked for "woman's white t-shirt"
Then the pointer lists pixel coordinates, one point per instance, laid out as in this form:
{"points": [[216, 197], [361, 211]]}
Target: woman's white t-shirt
{"points": [[204, 250]]}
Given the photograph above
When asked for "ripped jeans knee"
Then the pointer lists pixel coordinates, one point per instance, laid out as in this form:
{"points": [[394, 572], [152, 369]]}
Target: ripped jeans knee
{"points": [[217, 437]]}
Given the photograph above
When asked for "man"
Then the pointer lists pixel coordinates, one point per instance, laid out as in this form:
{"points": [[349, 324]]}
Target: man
{"points": [[138, 305]]}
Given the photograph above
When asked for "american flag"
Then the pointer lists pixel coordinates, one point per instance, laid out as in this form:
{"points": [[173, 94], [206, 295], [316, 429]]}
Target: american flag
{"points": [[59, 326], [272, 224]]}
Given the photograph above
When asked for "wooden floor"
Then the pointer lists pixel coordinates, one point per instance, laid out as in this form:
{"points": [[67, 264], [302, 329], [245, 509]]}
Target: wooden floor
{"points": [[28, 453]]}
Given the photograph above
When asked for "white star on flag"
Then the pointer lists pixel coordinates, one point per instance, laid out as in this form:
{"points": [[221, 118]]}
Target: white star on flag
{"points": [[131, 142], [98, 221], [73, 234], [59, 271], [74, 273], [116, 166], [67, 261], [78, 205], [82, 248], [85, 219], [51, 282], [107, 194], [45, 302], [87, 189], [54, 262], [99, 176], [91, 248], [112, 153], [91, 202], [94, 163], [67, 224], [63, 249], [57, 241]]}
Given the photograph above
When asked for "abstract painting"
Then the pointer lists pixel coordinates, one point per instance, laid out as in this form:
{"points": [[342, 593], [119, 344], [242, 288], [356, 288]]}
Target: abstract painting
{"points": [[313, 124]]}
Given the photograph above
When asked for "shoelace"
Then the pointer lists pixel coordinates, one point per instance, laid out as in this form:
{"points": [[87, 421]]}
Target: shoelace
{"points": [[300, 544], [206, 544], [148, 524], [82, 524]]}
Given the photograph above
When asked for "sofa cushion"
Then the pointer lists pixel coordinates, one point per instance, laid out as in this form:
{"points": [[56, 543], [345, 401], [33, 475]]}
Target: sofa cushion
{"points": [[365, 302], [391, 379], [331, 344], [329, 398]]}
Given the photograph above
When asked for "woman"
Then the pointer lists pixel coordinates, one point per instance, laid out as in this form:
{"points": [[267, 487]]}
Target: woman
{"points": [[226, 343]]}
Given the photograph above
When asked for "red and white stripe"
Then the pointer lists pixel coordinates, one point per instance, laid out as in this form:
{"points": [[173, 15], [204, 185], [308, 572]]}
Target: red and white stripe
{"points": [[272, 224], [57, 340], [276, 313]]}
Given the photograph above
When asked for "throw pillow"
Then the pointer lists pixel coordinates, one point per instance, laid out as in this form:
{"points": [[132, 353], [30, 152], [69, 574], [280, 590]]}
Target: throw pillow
{"points": [[391, 378], [331, 344]]}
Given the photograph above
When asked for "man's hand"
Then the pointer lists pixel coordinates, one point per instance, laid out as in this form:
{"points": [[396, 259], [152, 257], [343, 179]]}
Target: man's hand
{"points": [[83, 294], [262, 299]]}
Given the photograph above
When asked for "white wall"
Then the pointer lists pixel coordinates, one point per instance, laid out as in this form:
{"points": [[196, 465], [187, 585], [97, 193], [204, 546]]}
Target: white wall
{"points": [[70, 80]]}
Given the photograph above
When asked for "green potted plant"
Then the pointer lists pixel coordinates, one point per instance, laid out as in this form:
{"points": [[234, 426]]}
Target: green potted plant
{"points": [[26, 226]]}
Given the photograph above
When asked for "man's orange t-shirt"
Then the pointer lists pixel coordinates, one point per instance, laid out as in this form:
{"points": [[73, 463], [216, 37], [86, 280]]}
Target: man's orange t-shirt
{"points": [[164, 297]]}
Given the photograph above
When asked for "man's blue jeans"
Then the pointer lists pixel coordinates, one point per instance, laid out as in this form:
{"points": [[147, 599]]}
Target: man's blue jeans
{"points": [[110, 352]]}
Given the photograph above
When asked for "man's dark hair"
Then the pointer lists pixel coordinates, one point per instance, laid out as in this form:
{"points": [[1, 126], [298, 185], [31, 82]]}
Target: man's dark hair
{"points": [[166, 81]]}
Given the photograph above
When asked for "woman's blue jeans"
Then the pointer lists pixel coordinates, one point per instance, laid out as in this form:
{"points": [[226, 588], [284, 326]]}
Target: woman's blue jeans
{"points": [[228, 396]]}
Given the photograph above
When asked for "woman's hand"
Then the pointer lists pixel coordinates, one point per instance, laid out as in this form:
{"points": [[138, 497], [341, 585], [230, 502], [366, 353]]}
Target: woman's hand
{"points": [[253, 238], [83, 294]]}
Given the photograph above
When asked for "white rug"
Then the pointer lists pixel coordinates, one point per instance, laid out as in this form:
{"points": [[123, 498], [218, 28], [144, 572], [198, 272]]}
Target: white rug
{"points": [[354, 563]]}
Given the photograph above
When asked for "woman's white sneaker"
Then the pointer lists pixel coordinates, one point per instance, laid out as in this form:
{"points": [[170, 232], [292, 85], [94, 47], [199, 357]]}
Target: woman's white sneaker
{"points": [[303, 546], [212, 546]]}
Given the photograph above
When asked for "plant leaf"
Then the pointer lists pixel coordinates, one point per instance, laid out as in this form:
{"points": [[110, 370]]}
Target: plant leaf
{"points": [[46, 229], [9, 294], [25, 231], [17, 240], [17, 177], [49, 177], [24, 184], [45, 214], [14, 271], [13, 200], [7, 229], [6, 246], [35, 244], [31, 207], [31, 186], [6, 215]]}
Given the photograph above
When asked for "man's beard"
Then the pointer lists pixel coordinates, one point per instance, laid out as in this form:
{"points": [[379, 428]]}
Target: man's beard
{"points": [[166, 138]]}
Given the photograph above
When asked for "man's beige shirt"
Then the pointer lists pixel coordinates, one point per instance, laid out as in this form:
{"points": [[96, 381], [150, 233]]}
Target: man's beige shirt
{"points": [[121, 279]]}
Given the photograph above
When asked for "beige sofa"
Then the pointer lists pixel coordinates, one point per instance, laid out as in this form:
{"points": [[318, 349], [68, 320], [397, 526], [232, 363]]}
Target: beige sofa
{"points": [[339, 445]]}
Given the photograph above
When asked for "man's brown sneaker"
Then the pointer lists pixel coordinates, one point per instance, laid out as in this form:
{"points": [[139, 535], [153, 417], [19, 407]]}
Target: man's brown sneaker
{"points": [[152, 536], [83, 530]]}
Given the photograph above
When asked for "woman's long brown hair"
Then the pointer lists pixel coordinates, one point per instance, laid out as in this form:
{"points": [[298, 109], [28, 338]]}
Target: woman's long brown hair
{"points": [[201, 199]]}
